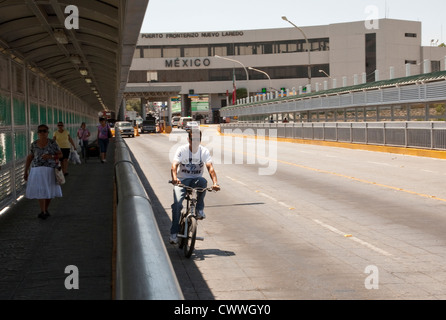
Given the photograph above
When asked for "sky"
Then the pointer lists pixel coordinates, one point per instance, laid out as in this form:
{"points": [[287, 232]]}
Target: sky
{"points": [[216, 15]]}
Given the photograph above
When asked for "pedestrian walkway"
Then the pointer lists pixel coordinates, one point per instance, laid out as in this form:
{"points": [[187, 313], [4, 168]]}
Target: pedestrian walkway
{"points": [[35, 253]]}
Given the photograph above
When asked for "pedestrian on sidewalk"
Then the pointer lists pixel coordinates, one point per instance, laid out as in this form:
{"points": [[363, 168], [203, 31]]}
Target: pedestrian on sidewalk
{"points": [[104, 135], [63, 139], [41, 182], [83, 134]]}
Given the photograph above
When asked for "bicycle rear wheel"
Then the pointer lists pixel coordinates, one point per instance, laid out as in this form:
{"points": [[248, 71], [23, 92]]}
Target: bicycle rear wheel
{"points": [[189, 242]]}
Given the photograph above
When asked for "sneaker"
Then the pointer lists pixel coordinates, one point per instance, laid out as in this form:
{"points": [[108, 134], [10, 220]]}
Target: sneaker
{"points": [[41, 215], [173, 239], [47, 214], [200, 215]]}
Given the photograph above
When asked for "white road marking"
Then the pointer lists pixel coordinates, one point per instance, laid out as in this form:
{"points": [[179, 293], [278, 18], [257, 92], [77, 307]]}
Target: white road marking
{"points": [[382, 164], [239, 182], [364, 243]]}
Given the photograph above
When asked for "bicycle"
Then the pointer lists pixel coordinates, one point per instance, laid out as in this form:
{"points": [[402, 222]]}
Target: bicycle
{"points": [[188, 220]]}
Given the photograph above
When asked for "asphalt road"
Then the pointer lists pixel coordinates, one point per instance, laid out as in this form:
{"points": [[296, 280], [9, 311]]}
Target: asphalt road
{"points": [[299, 221]]}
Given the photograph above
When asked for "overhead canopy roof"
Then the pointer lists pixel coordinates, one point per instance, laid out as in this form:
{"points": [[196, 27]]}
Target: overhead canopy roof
{"points": [[102, 47]]}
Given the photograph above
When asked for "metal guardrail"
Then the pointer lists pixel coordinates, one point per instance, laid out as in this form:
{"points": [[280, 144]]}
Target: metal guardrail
{"points": [[350, 97], [143, 267], [426, 135]]}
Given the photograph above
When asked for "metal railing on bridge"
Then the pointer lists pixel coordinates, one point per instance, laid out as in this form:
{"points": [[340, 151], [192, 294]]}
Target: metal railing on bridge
{"points": [[426, 135], [143, 267]]}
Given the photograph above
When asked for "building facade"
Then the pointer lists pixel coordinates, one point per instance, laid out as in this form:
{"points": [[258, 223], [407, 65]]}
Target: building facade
{"points": [[343, 54]]}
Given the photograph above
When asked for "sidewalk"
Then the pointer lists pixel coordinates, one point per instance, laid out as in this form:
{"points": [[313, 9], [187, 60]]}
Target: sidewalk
{"points": [[34, 253]]}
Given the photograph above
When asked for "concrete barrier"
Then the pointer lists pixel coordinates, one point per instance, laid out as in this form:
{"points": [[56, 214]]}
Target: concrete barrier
{"points": [[143, 267]]}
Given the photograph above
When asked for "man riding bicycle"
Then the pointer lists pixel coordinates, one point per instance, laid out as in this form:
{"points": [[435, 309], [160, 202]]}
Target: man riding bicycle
{"points": [[187, 169]]}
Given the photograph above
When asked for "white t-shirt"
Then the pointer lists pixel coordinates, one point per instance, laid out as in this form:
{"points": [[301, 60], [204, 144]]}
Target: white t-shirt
{"points": [[191, 164]]}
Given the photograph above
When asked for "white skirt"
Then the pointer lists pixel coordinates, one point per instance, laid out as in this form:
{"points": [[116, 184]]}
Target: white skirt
{"points": [[42, 184]]}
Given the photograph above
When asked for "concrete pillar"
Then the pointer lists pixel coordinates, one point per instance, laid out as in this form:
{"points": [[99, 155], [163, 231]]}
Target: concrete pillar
{"points": [[426, 66], [186, 105], [169, 111], [408, 70]]}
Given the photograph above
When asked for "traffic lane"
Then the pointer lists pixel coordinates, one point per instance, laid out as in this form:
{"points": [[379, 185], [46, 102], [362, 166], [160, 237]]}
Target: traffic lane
{"points": [[413, 174], [247, 254], [280, 237], [402, 234], [321, 221], [362, 198]]}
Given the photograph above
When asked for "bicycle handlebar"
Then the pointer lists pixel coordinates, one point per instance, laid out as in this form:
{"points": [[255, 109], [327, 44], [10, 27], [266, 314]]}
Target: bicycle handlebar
{"points": [[191, 188]]}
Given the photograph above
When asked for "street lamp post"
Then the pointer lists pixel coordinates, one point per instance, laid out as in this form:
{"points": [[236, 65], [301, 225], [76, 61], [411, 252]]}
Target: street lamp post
{"points": [[270, 84], [322, 71], [308, 47], [247, 75]]}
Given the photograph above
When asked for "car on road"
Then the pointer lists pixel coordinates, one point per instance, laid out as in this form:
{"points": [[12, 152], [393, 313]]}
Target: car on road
{"points": [[191, 125], [183, 121], [125, 128], [148, 126], [175, 121]]}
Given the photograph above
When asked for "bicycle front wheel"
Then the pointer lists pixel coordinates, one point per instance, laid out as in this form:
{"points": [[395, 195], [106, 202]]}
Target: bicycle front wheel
{"points": [[189, 242]]}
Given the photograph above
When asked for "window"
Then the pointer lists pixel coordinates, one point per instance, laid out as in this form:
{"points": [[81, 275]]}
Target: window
{"points": [[370, 56], [220, 51], [245, 49], [152, 76], [171, 52], [196, 52], [435, 66], [152, 53], [410, 35]]}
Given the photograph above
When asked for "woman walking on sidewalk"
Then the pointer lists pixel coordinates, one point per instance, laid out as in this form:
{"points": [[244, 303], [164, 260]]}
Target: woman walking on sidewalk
{"points": [[41, 181], [83, 134], [104, 133], [63, 139]]}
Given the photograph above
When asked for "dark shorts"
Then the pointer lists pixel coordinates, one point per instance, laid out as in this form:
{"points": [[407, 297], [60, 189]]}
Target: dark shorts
{"points": [[65, 152]]}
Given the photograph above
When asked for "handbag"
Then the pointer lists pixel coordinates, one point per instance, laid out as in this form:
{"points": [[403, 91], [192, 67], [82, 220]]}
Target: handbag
{"points": [[60, 178], [74, 156]]}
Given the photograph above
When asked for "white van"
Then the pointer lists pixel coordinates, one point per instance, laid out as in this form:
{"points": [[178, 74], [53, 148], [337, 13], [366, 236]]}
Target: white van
{"points": [[183, 121], [175, 121]]}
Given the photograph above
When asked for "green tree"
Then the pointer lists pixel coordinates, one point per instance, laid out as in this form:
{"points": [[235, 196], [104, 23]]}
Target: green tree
{"points": [[133, 105], [241, 93]]}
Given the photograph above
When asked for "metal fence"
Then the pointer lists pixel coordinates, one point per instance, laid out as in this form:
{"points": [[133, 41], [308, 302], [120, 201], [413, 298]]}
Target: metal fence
{"points": [[407, 93], [27, 99], [425, 135]]}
